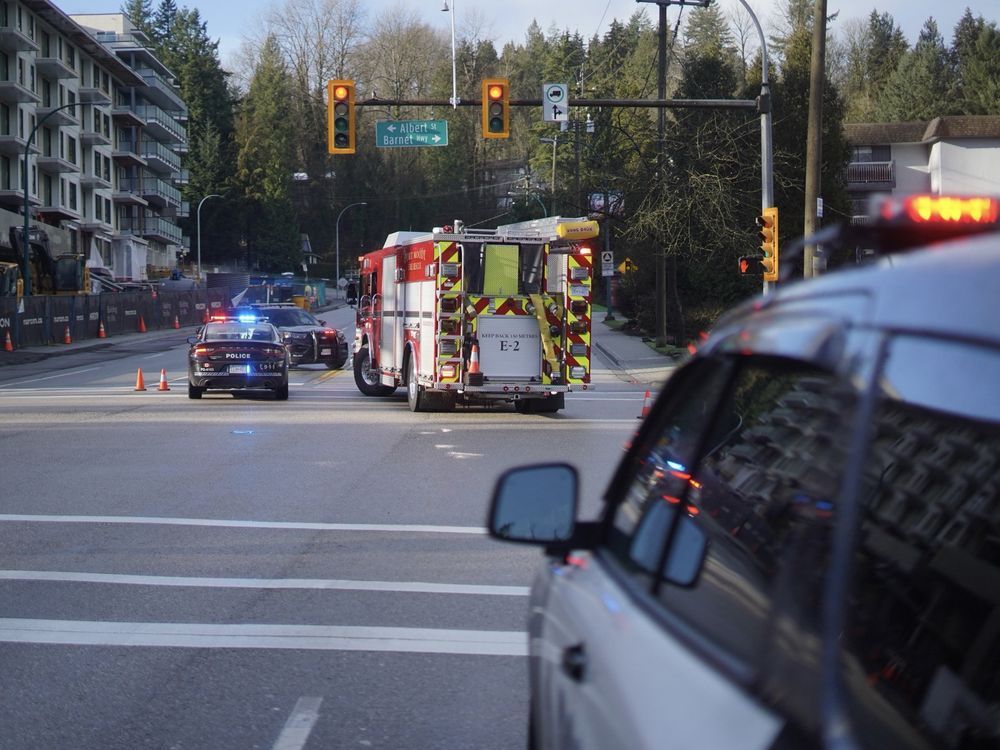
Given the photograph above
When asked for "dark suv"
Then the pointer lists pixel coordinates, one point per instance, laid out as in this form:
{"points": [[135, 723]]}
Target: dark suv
{"points": [[309, 340], [802, 546]]}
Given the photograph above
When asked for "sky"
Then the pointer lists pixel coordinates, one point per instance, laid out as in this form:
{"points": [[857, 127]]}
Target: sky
{"points": [[507, 20]]}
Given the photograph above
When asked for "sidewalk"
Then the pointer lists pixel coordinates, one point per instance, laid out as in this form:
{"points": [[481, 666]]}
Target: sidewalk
{"points": [[630, 357]]}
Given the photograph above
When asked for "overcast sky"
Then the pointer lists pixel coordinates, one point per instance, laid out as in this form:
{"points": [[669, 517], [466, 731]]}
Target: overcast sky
{"points": [[506, 20]]}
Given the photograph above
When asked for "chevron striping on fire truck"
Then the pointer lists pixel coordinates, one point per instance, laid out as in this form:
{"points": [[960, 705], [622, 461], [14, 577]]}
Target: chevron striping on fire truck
{"points": [[520, 293]]}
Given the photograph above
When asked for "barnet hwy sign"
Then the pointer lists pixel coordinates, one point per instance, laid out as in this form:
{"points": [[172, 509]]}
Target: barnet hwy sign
{"points": [[408, 133]]}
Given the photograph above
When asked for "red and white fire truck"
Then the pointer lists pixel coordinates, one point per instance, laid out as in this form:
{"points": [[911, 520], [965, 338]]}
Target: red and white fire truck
{"points": [[469, 316]]}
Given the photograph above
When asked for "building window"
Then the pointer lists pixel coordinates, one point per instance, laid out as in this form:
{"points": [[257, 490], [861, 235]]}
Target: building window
{"points": [[866, 154], [5, 173]]}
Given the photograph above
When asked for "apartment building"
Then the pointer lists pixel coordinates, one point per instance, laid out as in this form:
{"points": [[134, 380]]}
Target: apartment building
{"points": [[101, 124], [954, 154]]}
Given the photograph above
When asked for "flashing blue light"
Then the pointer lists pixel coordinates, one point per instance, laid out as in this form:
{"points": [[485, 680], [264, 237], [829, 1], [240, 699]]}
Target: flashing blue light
{"points": [[247, 318], [676, 466]]}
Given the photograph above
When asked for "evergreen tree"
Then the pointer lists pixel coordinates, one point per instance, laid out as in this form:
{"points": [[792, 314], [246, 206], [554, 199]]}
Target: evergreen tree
{"points": [[140, 12], [975, 56], [265, 166], [163, 22], [886, 47], [924, 85]]}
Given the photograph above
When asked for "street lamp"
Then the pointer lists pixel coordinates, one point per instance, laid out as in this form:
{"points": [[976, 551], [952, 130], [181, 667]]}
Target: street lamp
{"points": [[213, 195], [337, 266], [454, 77], [27, 204]]}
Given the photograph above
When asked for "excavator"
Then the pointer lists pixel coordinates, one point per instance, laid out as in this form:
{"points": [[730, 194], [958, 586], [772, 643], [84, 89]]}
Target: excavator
{"points": [[62, 274]]}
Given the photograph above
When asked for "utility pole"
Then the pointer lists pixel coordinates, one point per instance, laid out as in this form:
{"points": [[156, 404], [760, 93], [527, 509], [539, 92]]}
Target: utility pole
{"points": [[814, 137], [660, 334]]}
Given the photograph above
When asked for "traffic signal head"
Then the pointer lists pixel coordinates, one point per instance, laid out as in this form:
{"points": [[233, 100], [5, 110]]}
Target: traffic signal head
{"points": [[496, 108], [767, 222], [749, 265], [340, 116]]}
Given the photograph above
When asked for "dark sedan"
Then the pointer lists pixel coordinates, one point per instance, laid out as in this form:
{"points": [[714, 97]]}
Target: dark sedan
{"points": [[238, 354], [309, 340]]}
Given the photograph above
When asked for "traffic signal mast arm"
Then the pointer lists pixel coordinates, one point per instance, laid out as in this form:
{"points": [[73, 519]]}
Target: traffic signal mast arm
{"points": [[648, 103]]}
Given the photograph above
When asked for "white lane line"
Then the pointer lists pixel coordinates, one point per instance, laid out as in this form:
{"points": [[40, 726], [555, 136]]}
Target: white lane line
{"points": [[421, 587], [299, 725], [293, 525], [303, 637], [158, 354], [50, 377]]}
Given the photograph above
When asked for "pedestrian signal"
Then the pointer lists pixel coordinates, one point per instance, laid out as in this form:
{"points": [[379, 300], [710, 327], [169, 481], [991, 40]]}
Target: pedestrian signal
{"points": [[340, 126], [496, 108]]}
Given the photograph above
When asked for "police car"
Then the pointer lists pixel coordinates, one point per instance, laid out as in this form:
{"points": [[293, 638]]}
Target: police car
{"points": [[801, 548], [309, 340], [238, 353]]}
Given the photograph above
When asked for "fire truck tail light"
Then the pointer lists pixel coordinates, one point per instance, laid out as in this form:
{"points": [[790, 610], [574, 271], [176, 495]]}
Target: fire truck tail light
{"points": [[449, 270], [579, 307], [579, 327], [449, 304], [578, 274], [448, 371], [577, 372], [578, 350]]}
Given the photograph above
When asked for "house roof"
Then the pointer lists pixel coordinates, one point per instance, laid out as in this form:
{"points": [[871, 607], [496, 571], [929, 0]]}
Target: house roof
{"points": [[940, 128]]}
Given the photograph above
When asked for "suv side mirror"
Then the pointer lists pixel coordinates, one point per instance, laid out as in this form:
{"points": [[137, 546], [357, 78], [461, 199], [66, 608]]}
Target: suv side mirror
{"points": [[535, 504]]}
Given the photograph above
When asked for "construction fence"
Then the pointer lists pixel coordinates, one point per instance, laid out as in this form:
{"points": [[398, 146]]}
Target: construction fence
{"points": [[45, 319]]}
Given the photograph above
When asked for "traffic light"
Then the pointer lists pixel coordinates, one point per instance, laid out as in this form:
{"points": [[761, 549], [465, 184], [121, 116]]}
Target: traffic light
{"points": [[496, 108], [750, 265], [340, 125], [768, 224]]}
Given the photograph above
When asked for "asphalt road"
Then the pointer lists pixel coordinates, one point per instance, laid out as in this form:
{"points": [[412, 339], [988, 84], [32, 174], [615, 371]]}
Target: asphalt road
{"points": [[243, 573]]}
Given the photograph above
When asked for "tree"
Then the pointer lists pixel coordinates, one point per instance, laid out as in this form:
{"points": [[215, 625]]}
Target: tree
{"points": [[924, 84], [140, 12], [975, 54], [265, 164], [163, 22]]}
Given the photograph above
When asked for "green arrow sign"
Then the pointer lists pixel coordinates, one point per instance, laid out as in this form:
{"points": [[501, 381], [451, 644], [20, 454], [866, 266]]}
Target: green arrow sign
{"points": [[404, 133]]}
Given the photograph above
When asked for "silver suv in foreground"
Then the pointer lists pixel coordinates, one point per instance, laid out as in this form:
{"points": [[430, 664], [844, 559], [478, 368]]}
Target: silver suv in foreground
{"points": [[801, 548]]}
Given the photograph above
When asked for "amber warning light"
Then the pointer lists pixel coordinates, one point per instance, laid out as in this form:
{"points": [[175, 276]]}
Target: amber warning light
{"points": [[938, 209]]}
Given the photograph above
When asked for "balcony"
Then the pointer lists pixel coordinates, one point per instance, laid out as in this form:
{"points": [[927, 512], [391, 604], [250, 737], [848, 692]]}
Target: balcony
{"points": [[13, 145], [871, 175], [126, 154], [127, 194], [159, 193], [94, 181], [162, 125], [159, 90], [91, 224], [55, 117], [14, 92], [91, 137], [13, 39], [181, 177], [151, 227], [123, 114], [93, 95], [55, 164], [54, 68], [159, 157], [53, 212]]}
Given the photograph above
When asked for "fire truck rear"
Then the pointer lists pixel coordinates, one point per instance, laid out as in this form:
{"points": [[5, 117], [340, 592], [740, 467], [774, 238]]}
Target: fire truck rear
{"points": [[470, 316]]}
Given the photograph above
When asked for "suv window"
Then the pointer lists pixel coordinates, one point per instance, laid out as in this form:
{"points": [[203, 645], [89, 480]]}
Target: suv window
{"points": [[289, 317], [762, 493], [923, 661]]}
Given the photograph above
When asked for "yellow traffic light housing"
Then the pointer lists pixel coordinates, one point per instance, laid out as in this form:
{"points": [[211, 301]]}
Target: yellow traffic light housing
{"points": [[768, 224], [340, 117], [496, 108]]}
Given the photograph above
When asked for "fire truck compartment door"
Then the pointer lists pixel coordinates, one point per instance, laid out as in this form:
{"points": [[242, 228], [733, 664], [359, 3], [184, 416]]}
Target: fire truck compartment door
{"points": [[510, 346], [391, 321], [500, 270]]}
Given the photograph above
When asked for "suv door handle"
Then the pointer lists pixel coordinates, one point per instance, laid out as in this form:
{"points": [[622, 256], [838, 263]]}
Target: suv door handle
{"points": [[574, 662]]}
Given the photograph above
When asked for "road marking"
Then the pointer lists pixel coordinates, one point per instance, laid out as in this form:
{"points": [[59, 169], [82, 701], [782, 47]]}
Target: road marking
{"points": [[50, 377], [303, 637], [299, 725], [421, 587], [218, 522]]}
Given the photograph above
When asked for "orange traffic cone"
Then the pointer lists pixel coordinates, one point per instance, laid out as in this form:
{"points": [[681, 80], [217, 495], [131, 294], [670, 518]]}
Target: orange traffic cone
{"points": [[163, 381], [101, 334], [67, 339], [177, 322], [142, 325], [8, 345], [647, 404], [475, 375], [140, 384]]}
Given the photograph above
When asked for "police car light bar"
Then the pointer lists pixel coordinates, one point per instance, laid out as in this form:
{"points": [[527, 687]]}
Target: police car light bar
{"points": [[940, 209]]}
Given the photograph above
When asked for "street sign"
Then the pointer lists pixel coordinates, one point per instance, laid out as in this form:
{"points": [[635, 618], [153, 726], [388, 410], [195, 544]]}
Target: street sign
{"points": [[408, 133], [607, 263], [555, 102]]}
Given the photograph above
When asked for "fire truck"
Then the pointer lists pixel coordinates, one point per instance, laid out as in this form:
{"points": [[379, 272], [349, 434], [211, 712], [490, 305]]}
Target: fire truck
{"points": [[471, 316]]}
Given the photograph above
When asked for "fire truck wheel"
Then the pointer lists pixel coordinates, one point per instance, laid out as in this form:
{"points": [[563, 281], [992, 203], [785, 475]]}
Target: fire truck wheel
{"points": [[415, 395], [366, 378]]}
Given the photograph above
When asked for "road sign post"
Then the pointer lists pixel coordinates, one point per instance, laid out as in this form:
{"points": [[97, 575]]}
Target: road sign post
{"points": [[411, 133]]}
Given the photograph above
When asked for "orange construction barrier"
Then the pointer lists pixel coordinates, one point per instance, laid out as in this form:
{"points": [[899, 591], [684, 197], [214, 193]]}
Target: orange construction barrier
{"points": [[163, 381], [8, 345], [140, 384], [101, 334], [177, 322], [142, 325], [647, 404], [67, 339]]}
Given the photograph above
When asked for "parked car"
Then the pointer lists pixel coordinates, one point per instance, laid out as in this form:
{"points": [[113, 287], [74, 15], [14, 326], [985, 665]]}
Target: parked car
{"points": [[801, 548], [309, 340], [237, 354]]}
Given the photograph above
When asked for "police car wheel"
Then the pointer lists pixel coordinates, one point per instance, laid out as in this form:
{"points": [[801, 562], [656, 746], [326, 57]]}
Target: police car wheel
{"points": [[194, 391], [281, 393]]}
